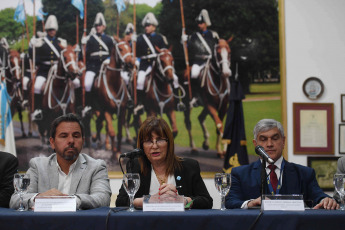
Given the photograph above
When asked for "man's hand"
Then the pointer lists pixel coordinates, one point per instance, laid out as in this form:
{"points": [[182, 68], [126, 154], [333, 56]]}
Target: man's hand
{"points": [[84, 40], [253, 203], [134, 37], [327, 203], [51, 192], [184, 37]]}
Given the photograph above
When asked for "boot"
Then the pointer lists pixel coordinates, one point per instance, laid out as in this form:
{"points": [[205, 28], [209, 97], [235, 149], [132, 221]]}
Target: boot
{"points": [[78, 100], [139, 109], [88, 101], [195, 84], [37, 114]]}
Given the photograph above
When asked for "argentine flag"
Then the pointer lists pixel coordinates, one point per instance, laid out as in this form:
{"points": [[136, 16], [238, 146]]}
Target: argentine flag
{"points": [[79, 5], [7, 143]]}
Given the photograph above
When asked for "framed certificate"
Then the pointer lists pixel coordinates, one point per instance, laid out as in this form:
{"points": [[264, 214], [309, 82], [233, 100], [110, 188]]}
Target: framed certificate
{"points": [[313, 128]]}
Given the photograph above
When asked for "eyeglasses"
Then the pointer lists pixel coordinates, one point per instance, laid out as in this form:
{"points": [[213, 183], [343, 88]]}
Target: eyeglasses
{"points": [[159, 142]]}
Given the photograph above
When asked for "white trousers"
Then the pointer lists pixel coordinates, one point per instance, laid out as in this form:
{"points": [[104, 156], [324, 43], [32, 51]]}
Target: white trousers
{"points": [[142, 75], [25, 82], [41, 80], [89, 76], [195, 72]]}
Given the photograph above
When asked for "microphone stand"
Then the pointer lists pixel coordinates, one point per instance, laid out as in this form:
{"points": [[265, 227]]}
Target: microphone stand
{"points": [[263, 178], [129, 165], [263, 181]]}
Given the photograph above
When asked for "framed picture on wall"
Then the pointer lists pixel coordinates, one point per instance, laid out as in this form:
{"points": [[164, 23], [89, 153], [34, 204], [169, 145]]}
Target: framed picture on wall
{"points": [[325, 168], [313, 128], [342, 101], [342, 138]]}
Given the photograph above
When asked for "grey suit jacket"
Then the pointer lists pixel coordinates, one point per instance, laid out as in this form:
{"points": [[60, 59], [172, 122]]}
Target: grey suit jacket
{"points": [[341, 165], [340, 169], [90, 181]]}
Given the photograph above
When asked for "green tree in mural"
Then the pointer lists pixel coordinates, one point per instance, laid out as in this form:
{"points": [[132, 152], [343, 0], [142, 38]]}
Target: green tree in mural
{"points": [[253, 25], [66, 13]]}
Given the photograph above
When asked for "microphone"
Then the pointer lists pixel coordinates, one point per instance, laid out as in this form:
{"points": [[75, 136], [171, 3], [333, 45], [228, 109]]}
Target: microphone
{"points": [[261, 152], [132, 154]]}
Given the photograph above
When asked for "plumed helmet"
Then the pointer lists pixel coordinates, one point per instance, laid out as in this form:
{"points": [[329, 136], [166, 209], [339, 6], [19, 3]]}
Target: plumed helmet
{"points": [[203, 17], [149, 19], [51, 23], [129, 28], [99, 20]]}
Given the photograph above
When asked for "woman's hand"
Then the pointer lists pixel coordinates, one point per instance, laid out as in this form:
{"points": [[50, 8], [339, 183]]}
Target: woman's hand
{"points": [[167, 189]]}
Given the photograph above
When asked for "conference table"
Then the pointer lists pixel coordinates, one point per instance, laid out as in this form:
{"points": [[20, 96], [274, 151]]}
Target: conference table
{"points": [[119, 218]]}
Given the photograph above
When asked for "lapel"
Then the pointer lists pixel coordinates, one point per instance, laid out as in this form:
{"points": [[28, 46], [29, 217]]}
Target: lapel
{"points": [[53, 174], [145, 181], [179, 179], [77, 173], [257, 172], [289, 179]]}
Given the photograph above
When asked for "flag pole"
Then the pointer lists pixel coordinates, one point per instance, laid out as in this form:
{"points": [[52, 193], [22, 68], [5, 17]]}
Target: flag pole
{"points": [[84, 54], [185, 50], [77, 23], [134, 54], [33, 69], [117, 23]]}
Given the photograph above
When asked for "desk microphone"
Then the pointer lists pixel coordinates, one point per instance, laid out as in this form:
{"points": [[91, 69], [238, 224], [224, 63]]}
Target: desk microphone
{"points": [[261, 152], [132, 154]]}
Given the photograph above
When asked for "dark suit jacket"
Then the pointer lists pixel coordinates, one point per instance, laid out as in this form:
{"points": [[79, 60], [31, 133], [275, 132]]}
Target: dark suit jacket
{"points": [[8, 167], [192, 185], [297, 179]]}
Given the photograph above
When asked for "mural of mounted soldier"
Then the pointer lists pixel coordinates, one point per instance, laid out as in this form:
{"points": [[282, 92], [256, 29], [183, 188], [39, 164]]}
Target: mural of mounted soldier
{"points": [[56, 69], [210, 72], [98, 48], [147, 54]]}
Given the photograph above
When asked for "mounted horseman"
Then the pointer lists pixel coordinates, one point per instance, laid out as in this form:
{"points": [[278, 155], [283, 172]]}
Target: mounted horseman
{"points": [[48, 49], [201, 51], [147, 54], [210, 57], [4, 49], [98, 48]]}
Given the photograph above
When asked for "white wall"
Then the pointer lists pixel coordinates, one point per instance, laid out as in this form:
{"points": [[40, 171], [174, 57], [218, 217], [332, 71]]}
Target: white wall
{"points": [[315, 46]]}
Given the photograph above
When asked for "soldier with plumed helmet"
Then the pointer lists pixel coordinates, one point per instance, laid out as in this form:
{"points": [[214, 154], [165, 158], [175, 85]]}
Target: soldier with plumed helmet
{"points": [[200, 46], [98, 50], [146, 54], [48, 48], [127, 38]]}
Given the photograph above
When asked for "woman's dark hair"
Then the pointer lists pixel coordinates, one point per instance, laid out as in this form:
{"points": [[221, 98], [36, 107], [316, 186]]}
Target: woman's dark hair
{"points": [[162, 129], [66, 118]]}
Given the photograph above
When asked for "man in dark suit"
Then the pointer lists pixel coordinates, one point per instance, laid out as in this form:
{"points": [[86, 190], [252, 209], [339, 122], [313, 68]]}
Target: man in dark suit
{"points": [[290, 178], [8, 167]]}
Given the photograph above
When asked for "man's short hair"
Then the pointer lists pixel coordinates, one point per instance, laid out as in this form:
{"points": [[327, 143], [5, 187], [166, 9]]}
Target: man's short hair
{"points": [[70, 117], [267, 124]]}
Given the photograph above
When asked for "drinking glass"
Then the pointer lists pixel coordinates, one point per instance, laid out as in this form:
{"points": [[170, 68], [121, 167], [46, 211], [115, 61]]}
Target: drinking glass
{"points": [[223, 183], [339, 182], [131, 183], [21, 182]]}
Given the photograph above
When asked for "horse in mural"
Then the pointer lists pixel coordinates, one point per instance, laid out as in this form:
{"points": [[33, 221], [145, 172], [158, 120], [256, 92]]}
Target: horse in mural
{"points": [[112, 93], [58, 95], [214, 89], [159, 94]]}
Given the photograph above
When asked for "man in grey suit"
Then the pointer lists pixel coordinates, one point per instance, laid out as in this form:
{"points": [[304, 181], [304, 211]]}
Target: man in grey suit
{"points": [[67, 171]]}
